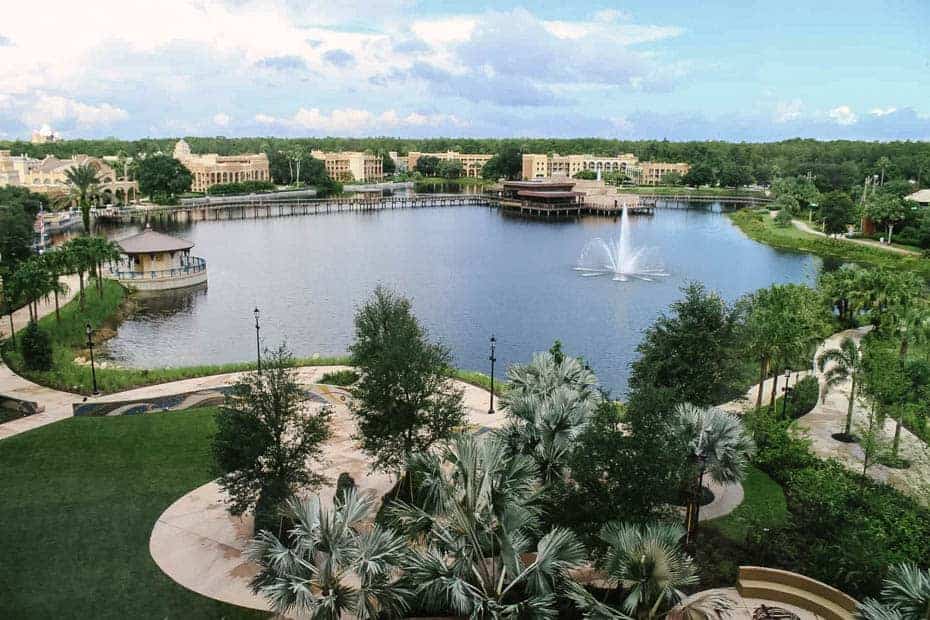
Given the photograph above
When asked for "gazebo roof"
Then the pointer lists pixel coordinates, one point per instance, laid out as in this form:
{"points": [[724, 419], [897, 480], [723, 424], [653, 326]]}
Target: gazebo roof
{"points": [[151, 241]]}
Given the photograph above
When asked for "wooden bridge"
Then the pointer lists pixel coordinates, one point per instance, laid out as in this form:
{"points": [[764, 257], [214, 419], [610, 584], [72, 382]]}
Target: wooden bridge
{"points": [[685, 198], [257, 207]]}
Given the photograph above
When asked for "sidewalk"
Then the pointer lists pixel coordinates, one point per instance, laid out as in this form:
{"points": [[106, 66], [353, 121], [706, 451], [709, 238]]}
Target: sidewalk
{"points": [[46, 306]]}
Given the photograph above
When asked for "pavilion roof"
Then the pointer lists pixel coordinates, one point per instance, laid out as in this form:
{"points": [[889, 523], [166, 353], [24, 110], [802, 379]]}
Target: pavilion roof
{"points": [[151, 241]]}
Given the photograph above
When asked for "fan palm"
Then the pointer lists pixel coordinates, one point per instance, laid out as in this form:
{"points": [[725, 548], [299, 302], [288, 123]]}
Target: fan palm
{"points": [[84, 177], [648, 565], [545, 374], [722, 439], [905, 596], [845, 365], [473, 520], [331, 564]]}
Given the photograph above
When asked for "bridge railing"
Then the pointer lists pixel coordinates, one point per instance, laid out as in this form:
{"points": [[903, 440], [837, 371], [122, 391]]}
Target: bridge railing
{"points": [[194, 266]]}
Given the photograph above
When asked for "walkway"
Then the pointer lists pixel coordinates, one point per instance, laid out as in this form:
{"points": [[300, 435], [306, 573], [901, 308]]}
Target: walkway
{"points": [[199, 545], [46, 306], [805, 227]]}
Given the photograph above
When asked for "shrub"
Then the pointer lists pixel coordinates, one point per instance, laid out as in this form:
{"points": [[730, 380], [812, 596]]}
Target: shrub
{"points": [[340, 377], [36, 348], [344, 484], [783, 218], [244, 187], [804, 397]]}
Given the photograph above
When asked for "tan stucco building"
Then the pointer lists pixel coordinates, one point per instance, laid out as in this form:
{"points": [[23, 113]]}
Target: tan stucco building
{"points": [[49, 175], [347, 166], [472, 163], [211, 169], [543, 166]]}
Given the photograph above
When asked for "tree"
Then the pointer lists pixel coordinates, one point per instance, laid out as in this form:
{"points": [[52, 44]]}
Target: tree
{"points": [[721, 437], [840, 287], [799, 188], [506, 164], [886, 210], [36, 348], [473, 523], [405, 401], [428, 165], [548, 406], [16, 235], [885, 384], [331, 565], [905, 596], [449, 169], [845, 364], [162, 177], [672, 178], [100, 251], [387, 164], [85, 179], [787, 203], [79, 253], [702, 326], [57, 263], [699, 175], [265, 437], [837, 211], [734, 175], [783, 218], [32, 281], [883, 162], [650, 568]]}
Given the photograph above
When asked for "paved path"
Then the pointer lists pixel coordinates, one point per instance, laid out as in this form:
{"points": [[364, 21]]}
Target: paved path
{"points": [[199, 545], [805, 227], [46, 306]]}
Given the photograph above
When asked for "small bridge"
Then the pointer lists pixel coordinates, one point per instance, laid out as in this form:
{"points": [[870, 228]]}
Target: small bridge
{"points": [[686, 198], [250, 207]]}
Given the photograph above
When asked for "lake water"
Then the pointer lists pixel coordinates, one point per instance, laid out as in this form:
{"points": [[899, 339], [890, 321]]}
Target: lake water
{"points": [[470, 272]]}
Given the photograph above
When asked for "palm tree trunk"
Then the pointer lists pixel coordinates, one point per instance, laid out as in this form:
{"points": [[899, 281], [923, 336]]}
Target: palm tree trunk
{"points": [[763, 367], [81, 282], [774, 387], [57, 312], [12, 329], [849, 408]]}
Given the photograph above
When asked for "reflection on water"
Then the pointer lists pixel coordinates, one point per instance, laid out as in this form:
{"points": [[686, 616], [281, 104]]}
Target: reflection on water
{"points": [[469, 271]]}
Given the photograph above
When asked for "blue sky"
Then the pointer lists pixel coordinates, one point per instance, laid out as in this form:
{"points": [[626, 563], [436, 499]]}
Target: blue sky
{"points": [[678, 70]]}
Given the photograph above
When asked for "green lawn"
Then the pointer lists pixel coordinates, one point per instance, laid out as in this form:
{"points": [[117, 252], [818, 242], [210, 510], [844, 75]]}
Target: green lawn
{"points": [[763, 506], [760, 227], [80, 498]]}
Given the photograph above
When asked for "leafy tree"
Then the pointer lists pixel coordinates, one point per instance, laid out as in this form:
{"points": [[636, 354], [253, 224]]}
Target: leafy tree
{"points": [[837, 211], [840, 287], [734, 175], [449, 169], [799, 188], [387, 164], [162, 177], [783, 218], [884, 383], [650, 568], [702, 326], [672, 178], [699, 175], [331, 565], [473, 522], [405, 401], [428, 165], [845, 364], [36, 348], [886, 210], [905, 596], [16, 235], [85, 179], [506, 164], [265, 437]]}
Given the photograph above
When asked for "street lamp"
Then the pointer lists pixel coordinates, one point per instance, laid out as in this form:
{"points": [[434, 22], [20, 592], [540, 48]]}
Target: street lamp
{"points": [[693, 515], [258, 346], [493, 359], [90, 345]]}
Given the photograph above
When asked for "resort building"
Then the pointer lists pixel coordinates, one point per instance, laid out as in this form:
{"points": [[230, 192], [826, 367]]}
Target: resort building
{"points": [[542, 166], [400, 162], [211, 169], [921, 197], [541, 198], [348, 166], [50, 176], [472, 163], [45, 135], [157, 262]]}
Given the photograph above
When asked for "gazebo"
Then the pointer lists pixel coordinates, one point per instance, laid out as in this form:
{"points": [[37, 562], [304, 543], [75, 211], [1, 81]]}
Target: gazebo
{"points": [[156, 262]]}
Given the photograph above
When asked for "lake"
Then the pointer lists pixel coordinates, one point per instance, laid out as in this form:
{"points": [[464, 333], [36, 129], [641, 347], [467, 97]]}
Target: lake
{"points": [[469, 271]]}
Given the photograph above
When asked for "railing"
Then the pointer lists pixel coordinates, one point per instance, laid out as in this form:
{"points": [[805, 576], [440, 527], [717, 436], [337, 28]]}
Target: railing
{"points": [[194, 266]]}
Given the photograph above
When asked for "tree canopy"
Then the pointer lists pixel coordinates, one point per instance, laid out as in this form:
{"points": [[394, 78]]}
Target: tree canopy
{"points": [[162, 177]]}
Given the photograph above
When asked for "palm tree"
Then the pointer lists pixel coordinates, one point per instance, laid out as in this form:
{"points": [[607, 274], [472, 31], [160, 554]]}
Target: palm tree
{"points": [[846, 365], [11, 296], [473, 519], [883, 162], [545, 374], [722, 439], [102, 251], [80, 256], [57, 263], [33, 281], [905, 596], [84, 178], [331, 565], [647, 564]]}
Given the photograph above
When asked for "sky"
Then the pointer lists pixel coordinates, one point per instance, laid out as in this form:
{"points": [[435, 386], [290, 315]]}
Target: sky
{"points": [[742, 71]]}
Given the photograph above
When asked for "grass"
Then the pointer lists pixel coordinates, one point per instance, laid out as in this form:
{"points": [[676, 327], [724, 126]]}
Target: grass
{"points": [[763, 507], [760, 227], [80, 498], [479, 379], [69, 341]]}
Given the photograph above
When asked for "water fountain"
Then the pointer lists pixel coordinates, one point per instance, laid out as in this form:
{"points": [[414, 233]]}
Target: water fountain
{"points": [[617, 257]]}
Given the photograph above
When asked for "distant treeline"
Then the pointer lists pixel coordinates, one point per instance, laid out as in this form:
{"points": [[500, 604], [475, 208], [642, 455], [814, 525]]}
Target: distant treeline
{"points": [[837, 164]]}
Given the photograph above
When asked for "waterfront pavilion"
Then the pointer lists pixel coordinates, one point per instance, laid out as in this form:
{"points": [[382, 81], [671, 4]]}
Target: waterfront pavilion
{"points": [[156, 261]]}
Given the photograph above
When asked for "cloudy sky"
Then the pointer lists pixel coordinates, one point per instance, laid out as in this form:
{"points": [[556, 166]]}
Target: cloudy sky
{"points": [[646, 69]]}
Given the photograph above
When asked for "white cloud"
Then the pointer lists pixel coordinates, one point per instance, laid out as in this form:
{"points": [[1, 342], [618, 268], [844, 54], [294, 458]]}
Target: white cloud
{"points": [[222, 119], [883, 111], [843, 115], [787, 111], [356, 121], [52, 109]]}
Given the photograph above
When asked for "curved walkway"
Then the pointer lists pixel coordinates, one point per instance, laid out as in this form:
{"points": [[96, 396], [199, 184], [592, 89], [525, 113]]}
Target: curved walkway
{"points": [[199, 545], [807, 228]]}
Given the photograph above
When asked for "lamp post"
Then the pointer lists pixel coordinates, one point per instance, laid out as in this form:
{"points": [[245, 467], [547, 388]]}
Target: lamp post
{"points": [[258, 345], [493, 359], [693, 515], [90, 345]]}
